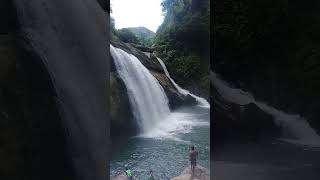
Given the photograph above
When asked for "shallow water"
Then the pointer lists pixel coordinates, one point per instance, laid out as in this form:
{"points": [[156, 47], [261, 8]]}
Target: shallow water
{"points": [[165, 150]]}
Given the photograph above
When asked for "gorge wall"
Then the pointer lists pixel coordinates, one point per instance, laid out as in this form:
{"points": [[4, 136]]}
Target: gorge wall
{"points": [[270, 48], [32, 141], [53, 93]]}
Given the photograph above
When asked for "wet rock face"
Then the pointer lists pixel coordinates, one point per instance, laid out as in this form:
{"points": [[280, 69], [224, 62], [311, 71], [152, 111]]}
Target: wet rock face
{"points": [[31, 136], [120, 112], [35, 111], [240, 121], [151, 63], [175, 98], [121, 115], [32, 142]]}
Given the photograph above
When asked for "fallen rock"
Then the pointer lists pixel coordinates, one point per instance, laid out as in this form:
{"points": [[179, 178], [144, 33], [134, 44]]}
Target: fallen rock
{"points": [[200, 173], [122, 176]]}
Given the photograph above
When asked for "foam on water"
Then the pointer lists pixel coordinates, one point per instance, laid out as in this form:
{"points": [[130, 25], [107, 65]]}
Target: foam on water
{"points": [[176, 123]]}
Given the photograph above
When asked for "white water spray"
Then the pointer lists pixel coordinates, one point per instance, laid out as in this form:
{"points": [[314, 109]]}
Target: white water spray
{"points": [[148, 100], [202, 102], [294, 124]]}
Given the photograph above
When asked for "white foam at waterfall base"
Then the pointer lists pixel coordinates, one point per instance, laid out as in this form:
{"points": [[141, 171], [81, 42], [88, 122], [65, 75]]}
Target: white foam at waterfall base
{"points": [[178, 122], [149, 102], [296, 129], [201, 101]]}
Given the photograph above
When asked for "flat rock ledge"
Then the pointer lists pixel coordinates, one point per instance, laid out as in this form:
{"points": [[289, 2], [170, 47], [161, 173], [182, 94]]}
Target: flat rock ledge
{"points": [[201, 173]]}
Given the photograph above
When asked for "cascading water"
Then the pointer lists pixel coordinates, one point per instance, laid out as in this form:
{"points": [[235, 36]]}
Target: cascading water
{"points": [[166, 135], [295, 125], [202, 102], [147, 97]]}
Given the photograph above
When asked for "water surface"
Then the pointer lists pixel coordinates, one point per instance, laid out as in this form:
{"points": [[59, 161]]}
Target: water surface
{"points": [[165, 150]]}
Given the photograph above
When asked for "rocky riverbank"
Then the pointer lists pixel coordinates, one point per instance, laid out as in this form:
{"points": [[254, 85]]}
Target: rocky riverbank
{"points": [[200, 173]]}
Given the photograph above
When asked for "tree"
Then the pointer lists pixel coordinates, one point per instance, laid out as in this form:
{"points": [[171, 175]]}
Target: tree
{"points": [[185, 31], [127, 36]]}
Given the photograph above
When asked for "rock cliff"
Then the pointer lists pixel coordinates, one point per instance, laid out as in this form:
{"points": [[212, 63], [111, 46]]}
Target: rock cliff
{"points": [[121, 115]]}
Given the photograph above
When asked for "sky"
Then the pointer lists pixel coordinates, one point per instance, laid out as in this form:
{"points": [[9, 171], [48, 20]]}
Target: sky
{"points": [[135, 13]]}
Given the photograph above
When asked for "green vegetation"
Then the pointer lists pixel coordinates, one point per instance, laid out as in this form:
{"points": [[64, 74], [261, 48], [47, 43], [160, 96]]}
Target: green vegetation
{"points": [[127, 36], [113, 30], [137, 35], [124, 35], [144, 35], [183, 40]]}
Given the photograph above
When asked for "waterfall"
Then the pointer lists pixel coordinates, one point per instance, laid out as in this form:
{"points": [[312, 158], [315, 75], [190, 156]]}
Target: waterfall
{"points": [[147, 97], [201, 101], [295, 125]]}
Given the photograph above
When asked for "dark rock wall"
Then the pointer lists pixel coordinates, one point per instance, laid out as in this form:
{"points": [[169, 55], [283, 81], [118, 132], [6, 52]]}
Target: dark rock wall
{"points": [[55, 106], [270, 48], [32, 143], [122, 121], [37, 137], [240, 122]]}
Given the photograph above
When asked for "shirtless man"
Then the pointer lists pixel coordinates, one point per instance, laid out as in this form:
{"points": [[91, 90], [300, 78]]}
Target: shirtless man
{"points": [[193, 158]]}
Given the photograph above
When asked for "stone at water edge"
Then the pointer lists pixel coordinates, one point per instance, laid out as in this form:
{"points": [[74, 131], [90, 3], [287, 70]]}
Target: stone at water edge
{"points": [[122, 176], [200, 173]]}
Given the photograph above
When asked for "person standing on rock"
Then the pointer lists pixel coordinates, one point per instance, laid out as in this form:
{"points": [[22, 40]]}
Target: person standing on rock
{"points": [[193, 158]]}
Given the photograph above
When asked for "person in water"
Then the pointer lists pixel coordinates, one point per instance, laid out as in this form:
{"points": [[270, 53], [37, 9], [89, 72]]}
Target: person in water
{"points": [[151, 177], [193, 158], [129, 173]]}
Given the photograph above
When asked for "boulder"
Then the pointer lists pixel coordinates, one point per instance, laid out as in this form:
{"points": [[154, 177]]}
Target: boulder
{"points": [[122, 176], [200, 173]]}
